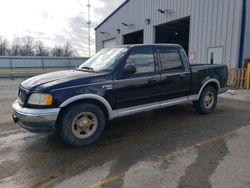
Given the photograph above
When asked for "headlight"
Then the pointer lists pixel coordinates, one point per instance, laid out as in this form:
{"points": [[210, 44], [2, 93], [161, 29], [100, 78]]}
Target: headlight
{"points": [[40, 99]]}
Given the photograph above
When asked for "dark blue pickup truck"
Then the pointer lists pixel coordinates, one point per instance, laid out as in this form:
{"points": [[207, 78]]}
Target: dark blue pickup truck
{"points": [[115, 82]]}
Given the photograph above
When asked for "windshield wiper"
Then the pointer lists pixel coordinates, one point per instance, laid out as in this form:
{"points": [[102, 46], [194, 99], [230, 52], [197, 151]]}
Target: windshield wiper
{"points": [[89, 69]]}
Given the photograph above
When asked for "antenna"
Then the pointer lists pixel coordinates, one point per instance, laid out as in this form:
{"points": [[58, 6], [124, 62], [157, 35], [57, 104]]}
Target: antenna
{"points": [[89, 24]]}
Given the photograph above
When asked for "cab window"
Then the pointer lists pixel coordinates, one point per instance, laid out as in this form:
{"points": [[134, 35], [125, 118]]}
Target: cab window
{"points": [[143, 60], [170, 59]]}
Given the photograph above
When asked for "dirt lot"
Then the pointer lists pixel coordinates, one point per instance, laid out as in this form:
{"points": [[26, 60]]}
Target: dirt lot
{"points": [[173, 147]]}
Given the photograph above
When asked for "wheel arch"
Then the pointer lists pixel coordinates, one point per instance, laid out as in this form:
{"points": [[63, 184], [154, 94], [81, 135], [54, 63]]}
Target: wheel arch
{"points": [[210, 82], [91, 98]]}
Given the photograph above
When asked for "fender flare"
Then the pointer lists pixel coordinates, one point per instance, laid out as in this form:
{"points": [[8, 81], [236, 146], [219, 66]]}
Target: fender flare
{"points": [[212, 80], [95, 97]]}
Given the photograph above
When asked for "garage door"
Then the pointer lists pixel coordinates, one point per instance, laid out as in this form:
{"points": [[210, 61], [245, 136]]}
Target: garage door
{"points": [[109, 43], [174, 32], [133, 38]]}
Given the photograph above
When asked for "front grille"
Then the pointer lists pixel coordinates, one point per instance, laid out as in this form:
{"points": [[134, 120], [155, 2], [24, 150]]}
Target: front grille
{"points": [[22, 94]]}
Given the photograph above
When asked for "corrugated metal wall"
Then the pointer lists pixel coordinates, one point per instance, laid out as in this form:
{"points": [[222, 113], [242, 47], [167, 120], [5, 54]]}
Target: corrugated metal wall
{"points": [[213, 23], [246, 52], [27, 65]]}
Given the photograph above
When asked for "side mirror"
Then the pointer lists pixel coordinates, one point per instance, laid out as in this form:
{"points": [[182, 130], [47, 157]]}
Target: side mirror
{"points": [[129, 69]]}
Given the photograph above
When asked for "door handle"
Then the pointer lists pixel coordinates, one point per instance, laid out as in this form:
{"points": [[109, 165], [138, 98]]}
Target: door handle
{"points": [[176, 76]]}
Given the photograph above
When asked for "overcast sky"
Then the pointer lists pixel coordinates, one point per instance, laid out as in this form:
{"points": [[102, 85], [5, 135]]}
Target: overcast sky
{"points": [[54, 21]]}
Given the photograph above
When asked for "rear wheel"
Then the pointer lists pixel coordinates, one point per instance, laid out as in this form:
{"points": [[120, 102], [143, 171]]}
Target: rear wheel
{"points": [[82, 124], [207, 102]]}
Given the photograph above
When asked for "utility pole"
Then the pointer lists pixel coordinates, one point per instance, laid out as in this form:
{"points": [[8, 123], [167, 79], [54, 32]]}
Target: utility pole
{"points": [[89, 24]]}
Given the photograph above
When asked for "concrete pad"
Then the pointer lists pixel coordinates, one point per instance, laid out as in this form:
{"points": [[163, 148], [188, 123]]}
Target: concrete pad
{"points": [[242, 95]]}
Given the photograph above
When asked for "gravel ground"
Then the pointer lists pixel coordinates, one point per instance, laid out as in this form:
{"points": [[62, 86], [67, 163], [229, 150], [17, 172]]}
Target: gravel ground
{"points": [[173, 147]]}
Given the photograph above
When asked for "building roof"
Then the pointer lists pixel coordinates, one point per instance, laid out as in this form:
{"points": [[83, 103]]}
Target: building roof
{"points": [[106, 19]]}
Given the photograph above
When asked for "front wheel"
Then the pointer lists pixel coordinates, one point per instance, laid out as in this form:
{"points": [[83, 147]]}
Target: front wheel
{"points": [[82, 124], [207, 102]]}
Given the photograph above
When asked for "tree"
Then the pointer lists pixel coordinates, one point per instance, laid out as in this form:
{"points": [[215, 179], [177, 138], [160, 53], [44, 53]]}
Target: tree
{"points": [[57, 51], [3, 47], [27, 47], [15, 47], [68, 51], [40, 49]]}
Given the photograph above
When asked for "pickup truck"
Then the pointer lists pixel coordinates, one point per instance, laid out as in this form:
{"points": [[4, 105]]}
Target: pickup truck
{"points": [[113, 83]]}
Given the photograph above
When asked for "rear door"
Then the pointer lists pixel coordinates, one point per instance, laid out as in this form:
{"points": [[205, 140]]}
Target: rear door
{"points": [[142, 87], [175, 74]]}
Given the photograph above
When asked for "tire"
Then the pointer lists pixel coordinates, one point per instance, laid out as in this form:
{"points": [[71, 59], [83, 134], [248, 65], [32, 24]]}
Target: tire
{"points": [[82, 124], [207, 102]]}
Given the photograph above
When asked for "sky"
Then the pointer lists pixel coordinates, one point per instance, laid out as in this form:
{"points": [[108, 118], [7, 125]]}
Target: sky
{"points": [[54, 21]]}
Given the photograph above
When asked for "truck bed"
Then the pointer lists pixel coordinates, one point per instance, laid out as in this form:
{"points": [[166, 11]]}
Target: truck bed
{"points": [[203, 72]]}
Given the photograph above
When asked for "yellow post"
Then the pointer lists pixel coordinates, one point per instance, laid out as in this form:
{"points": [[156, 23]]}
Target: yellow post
{"points": [[248, 76]]}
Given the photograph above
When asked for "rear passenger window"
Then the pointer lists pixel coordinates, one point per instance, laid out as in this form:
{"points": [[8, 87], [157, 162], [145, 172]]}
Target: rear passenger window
{"points": [[143, 59], [170, 59]]}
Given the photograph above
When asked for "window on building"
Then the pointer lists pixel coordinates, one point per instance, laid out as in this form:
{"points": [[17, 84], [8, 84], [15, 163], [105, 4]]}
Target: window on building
{"points": [[143, 59], [170, 59]]}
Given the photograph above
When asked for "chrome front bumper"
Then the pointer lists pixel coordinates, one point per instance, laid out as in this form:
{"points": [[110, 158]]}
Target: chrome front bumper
{"points": [[35, 120]]}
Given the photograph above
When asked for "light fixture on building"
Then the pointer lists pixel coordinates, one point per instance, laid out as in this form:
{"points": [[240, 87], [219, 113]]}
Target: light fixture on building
{"points": [[176, 33], [118, 31], [147, 21], [127, 25], [124, 24], [102, 32], [167, 11]]}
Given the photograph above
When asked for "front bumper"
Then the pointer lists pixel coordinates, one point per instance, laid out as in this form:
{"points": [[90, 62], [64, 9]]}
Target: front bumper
{"points": [[35, 120]]}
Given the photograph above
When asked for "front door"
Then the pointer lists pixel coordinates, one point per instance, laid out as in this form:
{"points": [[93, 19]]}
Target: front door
{"points": [[143, 86]]}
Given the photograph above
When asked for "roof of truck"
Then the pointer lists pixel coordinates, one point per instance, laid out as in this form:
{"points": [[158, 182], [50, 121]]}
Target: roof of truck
{"points": [[162, 44]]}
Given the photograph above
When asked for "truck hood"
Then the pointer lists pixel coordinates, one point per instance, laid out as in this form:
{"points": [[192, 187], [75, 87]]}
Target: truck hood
{"points": [[55, 76]]}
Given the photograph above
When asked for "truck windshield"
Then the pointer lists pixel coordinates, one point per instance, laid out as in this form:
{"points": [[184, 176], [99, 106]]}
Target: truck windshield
{"points": [[104, 60]]}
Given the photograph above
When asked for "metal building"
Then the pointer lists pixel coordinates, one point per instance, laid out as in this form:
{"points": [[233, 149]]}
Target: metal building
{"points": [[211, 31]]}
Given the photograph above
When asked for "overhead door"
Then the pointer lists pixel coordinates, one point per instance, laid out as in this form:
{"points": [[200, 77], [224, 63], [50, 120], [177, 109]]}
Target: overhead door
{"points": [[109, 43], [174, 32], [133, 38]]}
